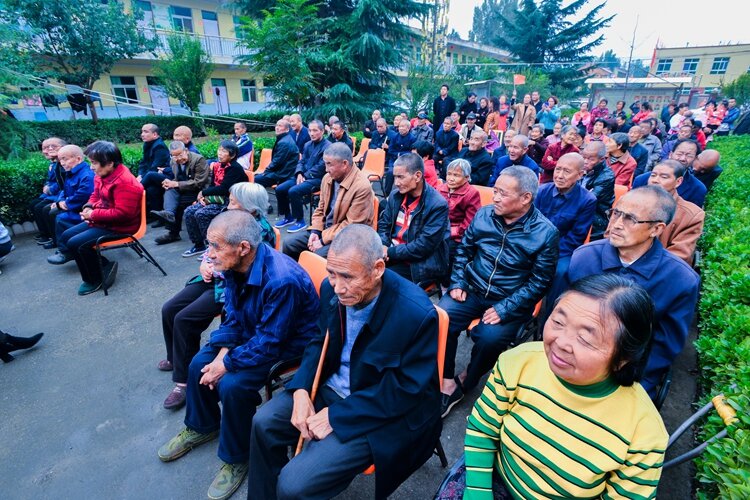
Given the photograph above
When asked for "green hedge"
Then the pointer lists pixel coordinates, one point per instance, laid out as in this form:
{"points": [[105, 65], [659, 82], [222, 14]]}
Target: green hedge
{"points": [[724, 342]]}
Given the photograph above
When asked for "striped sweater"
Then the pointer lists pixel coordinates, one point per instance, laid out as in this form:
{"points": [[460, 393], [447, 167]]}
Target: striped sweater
{"points": [[550, 439]]}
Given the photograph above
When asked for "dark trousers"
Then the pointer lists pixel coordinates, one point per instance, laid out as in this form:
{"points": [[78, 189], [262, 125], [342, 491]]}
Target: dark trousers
{"points": [[296, 243], [197, 219], [489, 340], [268, 179], [323, 470], [80, 240], [154, 192], [5, 248], [177, 201], [289, 193], [401, 268], [183, 319], [238, 393], [62, 224], [40, 209], [51, 214]]}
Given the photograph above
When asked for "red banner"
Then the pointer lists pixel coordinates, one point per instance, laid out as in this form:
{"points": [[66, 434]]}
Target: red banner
{"points": [[519, 79]]}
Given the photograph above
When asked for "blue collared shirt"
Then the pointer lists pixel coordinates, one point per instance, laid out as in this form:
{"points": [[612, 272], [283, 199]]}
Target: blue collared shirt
{"points": [[572, 213], [672, 284], [504, 162], [271, 314], [691, 188]]}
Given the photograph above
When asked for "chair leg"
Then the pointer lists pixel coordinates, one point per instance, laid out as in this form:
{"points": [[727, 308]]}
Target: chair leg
{"points": [[440, 452], [148, 257], [101, 270]]}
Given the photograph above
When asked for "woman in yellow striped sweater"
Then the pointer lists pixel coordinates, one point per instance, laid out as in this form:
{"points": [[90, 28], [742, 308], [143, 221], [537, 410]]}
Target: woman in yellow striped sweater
{"points": [[566, 418]]}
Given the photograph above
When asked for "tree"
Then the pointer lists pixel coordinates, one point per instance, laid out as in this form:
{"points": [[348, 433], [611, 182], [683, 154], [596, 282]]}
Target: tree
{"points": [[184, 69], [609, 60], [78, 41], [738, 89], [487, 19]]}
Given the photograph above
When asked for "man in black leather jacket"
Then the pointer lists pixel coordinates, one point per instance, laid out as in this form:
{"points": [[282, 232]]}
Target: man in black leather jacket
{"points": [[503, 267], [414, 226], [600, 180]]}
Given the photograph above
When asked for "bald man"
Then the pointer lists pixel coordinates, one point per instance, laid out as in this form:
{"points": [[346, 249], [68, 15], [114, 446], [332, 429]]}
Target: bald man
{"points": [[185, 136], [706, 167]]}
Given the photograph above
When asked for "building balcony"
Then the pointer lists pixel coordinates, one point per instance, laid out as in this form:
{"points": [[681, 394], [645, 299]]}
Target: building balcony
{"points": [[222, 50]]}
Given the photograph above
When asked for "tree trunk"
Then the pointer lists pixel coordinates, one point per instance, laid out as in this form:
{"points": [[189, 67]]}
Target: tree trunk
{"points": [[92, 106]]}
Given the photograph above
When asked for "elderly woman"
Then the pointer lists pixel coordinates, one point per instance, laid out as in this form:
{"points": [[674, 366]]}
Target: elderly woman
{"points": [[463, 201], [568, 416], [568, 137], [213, 199], [192, 309], [619, 160], [114, 209]]}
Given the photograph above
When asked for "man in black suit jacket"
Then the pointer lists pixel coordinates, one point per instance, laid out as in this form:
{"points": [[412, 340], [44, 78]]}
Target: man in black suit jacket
{"points": [[378, 399]]}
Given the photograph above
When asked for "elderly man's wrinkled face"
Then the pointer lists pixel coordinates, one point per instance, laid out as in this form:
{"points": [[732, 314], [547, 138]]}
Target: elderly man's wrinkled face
{"points": [[634, 134], [645, 128], [627, 225], [180, 157], [225, 257], [382, 127], [404, 181], [566, 174], [316, 133], [50, 149], [404, 127], [507, 200], [239, 129], [590, 159], [295, 123], [663, 175], [578, 341], [337, 130], [336, 168], [447, 124], [476, 142], [508, 137], [396, 121], [148, 134], [375, 115], [685, 132], [516, 149], [684, 153], [352, 281], [281, 127], [69, 159]]}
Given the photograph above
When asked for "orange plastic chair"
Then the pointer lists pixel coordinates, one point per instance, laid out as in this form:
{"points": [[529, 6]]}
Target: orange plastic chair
{"points": [[375, 206], [443, 322], [588, 236], [250, 174], [619, 191], [130, 241], [362, 149], [315, 265], [277, 246], [354, 143], [374, 166], [265, 160], [485, 194]]}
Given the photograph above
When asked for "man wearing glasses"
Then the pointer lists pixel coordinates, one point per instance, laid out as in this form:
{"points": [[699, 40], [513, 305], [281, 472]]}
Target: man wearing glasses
{"points": [[632, 250]]}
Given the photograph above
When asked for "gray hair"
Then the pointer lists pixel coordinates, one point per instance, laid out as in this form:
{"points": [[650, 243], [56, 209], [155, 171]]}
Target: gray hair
{"points": [[177, 146], [339, 151], [566, 129], [363, 240], [524, 140], [237, 226], [381, 120], [677, 168], [481, 134], [317, 123], [538, 127], [663, 206], [412, 161], [576, 158], [252, 197], [528, 181], [460, 164], [598, 147], [285, 124]]}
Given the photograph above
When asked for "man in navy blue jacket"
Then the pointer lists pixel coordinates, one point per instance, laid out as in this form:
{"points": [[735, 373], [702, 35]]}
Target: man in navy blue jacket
{"points": [[446, 146], [299, 132], [308, 175], [685, 151], [517, 155], [633, 250], [400, 144], [271, 311], [284, 157], [378, 399]]}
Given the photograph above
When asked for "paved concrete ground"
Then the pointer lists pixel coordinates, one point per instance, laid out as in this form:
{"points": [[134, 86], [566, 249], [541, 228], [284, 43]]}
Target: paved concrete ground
{"points": [[82, 415]]}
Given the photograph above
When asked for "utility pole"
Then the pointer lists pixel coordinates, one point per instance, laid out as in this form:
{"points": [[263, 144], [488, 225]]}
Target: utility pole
{"points": [[630, 60]]}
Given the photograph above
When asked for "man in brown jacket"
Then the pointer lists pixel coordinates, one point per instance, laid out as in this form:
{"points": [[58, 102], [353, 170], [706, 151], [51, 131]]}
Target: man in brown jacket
{"points": [[681, 235], [346, 197]]}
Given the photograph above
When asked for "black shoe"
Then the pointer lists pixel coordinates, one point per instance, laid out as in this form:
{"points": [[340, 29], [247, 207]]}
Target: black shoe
{"points": [[167, 238], [110, 273], [9, 343], [158, 223], [163, 215], [50, 245], [448, 402]]}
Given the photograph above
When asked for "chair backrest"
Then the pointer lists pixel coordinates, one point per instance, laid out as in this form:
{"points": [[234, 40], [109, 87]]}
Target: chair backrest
{"points": [[265, 160], [315, 265], [619, 191], [354, 143], [375, 163], [277, 246], [588, 236], [144, 225], [363, 146], [460, 144], [250, 174], [443, 323], [485, 194], [375, 206], [252, 160]]}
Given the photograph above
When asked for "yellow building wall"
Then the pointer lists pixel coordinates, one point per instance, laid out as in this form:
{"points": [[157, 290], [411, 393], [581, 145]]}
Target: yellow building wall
{"points": [[739, 62]]}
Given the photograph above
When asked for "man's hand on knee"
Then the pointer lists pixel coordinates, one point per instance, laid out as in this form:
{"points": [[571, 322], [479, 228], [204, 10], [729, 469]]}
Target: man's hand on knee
{"points": [[213, 371], [491, 317], [458, 295], [319, 425], [301, 411]]}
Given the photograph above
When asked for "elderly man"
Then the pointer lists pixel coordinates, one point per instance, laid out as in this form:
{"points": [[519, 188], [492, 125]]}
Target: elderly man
{"points": [[310, 170], [633, 250], [377, 402], [40, 206], [571, 208], [190, 177], [685, 151], [685, 132], [244, 143], [446, 146], [706, 167], [650, 142], [338, 134], [480, 160], [400, 144], [443, 105], [423, 130], [346, 197], [636, 149], [681, 235], [381, 136], [503, 267], [271, 310], [517, 155], [371, 124], [599, 179], [469, 128], [151, 168], [284, 157], [299, 132], [414, 226], [185, 136]]}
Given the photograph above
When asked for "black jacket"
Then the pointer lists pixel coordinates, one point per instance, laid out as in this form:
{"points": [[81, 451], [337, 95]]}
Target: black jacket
{"points": [[481, 165], [513, 266], [441, 109], [284, 157], [394, 400], [155, 155], [233, 174], [344, 138], [369, 128], [429, 230], [447, 141], [311, 165], [601, 183], [466, 108]]}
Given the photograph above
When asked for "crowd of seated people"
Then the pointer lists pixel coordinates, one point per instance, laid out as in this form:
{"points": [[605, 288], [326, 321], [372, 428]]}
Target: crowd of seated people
{"points": [[367, 389]]}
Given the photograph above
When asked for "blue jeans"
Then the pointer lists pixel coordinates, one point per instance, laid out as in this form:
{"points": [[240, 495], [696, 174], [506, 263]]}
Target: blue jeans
{"points": [[290, 193], [79, 240], [238, 393]]}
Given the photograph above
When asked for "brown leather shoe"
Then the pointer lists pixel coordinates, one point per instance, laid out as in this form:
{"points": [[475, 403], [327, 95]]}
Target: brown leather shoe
{"points": [[165, 365], [176, 398]]}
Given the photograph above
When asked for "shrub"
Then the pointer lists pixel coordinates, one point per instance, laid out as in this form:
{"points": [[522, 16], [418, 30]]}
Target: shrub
{"points": [[724, 309]]}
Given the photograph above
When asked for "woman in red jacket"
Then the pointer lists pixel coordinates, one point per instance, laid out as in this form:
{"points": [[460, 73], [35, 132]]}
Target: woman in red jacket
{"points": [[568, 136], [463, 201], [113, 209]]}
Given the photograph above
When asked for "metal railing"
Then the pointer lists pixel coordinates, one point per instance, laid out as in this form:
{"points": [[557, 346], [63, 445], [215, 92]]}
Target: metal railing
{"points": [[215, 46]]}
